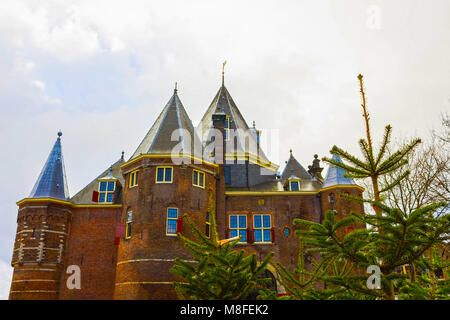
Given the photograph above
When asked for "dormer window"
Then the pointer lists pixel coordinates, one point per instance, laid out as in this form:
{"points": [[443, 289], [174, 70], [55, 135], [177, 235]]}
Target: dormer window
{"points": [[106, 191], [294, 185]]}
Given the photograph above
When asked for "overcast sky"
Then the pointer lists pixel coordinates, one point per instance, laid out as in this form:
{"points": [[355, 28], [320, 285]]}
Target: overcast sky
{"points": [[101, 71]]}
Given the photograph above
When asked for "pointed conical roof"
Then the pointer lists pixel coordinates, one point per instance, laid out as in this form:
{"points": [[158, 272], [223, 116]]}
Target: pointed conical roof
{"points": [[335, 175], [294, 168], [52, 182], [223, 104], [158, 140]]}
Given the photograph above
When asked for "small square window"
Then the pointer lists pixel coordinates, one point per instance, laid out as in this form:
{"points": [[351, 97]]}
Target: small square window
{"points": [[106, 191], [294, 186], [102, 186], [198, 178], [164, 175]]}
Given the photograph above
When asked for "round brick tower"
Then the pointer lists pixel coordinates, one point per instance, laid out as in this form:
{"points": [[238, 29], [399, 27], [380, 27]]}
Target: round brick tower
{"points": [[336, 184], [42, 228], [161, 185]]}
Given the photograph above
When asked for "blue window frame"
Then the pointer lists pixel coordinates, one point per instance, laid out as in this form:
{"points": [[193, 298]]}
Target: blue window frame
{"points": [[172, 216], [238, 226], [262, 224]]}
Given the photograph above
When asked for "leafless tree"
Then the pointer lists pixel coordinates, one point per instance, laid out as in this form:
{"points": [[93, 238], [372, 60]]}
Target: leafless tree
{"points": [[429, 178]]}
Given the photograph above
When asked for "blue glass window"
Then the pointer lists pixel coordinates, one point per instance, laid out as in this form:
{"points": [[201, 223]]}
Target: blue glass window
{"points": [[266, 235], [106, 191], [266, 221], [195, 177], [102, 186], [172, 215], [287, 232], [171, 226], [243, 233], [262, 225], [238, 226], [294, 186], [109, 197], [242, 221], [227, 175], [111, 186], [160, 175], [257, 221], [258, 236], [168, 176], [233, 221]]}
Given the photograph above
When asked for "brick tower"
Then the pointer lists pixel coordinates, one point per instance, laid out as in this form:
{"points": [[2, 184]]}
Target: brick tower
{"points": [[42, 229], [336, 184], [164, 179]]}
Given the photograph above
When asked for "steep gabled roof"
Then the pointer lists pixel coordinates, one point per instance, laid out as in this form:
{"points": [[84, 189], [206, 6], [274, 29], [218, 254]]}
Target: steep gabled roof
{"points": [[335, 175], [223, 103], [294, 168], [84, 196], [158, 139], [52, 182]]}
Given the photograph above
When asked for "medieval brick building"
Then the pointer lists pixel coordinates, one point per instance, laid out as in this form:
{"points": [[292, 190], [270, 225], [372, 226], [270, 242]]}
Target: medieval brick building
{"points": [[120, 230]]}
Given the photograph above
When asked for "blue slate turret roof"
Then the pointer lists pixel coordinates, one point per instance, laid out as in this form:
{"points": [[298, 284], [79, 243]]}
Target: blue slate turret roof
{"points": [[335, 175], [52, 182]]}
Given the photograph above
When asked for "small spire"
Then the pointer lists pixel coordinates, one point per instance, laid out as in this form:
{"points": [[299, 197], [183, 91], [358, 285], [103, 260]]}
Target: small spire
{"points": [[223, 72], [175, 90], [290, 151], [59, 134], [123, 153], [254, 125]]}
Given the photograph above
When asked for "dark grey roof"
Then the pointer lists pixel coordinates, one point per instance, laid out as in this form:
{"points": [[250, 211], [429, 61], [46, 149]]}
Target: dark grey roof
{"points": [[223, 103], [158, 139], [278, 185], [84, 196], [335, 175], [52, 182], [294, 168]]}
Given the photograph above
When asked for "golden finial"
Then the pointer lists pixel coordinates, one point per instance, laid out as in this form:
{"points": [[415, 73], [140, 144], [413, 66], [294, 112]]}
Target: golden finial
{"points": [[223, 72]]}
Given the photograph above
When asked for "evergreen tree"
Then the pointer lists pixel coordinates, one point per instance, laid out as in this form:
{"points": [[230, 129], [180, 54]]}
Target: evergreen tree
{"points": [[219, 272], [299, 284], [392, 239]]}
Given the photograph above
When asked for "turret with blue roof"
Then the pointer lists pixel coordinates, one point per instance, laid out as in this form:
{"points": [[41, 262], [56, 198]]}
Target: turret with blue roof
{"points": [[336, 176], [52, 182]]}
